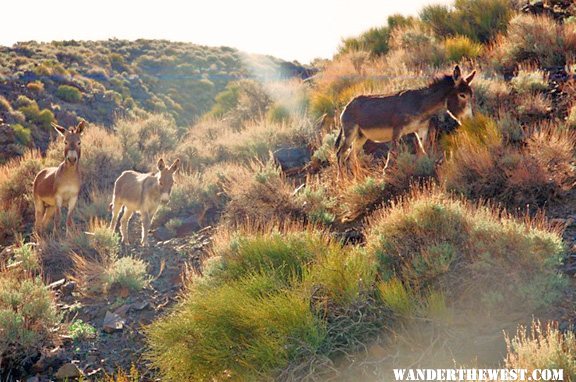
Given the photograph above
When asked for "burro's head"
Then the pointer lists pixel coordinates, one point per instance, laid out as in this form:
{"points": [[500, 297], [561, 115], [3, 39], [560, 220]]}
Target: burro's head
{"points": [[166, 179], [72, 141], [459, 101]]}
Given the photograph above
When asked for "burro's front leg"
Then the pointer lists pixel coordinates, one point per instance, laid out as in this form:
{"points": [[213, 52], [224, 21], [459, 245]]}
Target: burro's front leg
{"points": [[71, 205], [421, 137], [146, 221], [57, 213]]}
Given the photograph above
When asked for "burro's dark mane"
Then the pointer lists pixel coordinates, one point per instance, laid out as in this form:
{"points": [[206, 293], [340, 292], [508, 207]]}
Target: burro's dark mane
{"points": [[441, 81]]}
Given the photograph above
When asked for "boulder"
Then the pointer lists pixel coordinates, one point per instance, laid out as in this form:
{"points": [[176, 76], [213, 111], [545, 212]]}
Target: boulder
{"points": [[112, 322], [291, 158], [68, 371]]}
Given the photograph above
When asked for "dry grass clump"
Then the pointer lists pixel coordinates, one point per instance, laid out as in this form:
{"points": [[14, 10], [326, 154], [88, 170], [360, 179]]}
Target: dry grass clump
{"points": [[542, 346], [534, 39], [199, 194], [416, 46], [461, 47], [474, 254], [143, 139], [532, 107], [258, 195], [490, 94], [16, 204], [28, 317], [212, 140], [481, 166], [529, 81], [105, 271]]}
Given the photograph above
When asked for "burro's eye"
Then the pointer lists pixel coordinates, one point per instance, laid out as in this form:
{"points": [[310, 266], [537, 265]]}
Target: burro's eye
{"points": [[462, 95]]}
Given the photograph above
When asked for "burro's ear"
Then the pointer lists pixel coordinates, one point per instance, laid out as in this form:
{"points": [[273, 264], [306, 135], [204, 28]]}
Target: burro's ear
{"points": [[161, 164], [80, 127], [59, 129], [457, 73], [174, 167], [470, 77]]}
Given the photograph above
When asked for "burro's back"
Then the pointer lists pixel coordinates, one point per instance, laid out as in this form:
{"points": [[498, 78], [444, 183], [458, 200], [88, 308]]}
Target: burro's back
{"points": [[142, 193]]}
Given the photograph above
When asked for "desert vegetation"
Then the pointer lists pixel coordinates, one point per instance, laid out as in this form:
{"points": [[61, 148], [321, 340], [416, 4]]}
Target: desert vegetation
{"points": [[267, 263]]}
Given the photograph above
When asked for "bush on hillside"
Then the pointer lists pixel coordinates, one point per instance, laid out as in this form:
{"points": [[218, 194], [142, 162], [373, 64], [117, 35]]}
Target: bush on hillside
{"points": [[482, 166], [479, 20], [471, 253], [69, 94], [274, 302], [28, 317]]}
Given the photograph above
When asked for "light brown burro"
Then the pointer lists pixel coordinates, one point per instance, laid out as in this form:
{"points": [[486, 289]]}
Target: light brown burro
{"points": [[55, 187], [386, 118], [143, 193]]}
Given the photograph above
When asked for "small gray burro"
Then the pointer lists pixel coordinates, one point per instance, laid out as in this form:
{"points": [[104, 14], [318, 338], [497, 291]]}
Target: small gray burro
{"points": [[138, 192]]}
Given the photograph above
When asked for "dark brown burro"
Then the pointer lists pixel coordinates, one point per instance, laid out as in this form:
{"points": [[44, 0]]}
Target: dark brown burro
{"points": [[55, 187], [386, 118]]}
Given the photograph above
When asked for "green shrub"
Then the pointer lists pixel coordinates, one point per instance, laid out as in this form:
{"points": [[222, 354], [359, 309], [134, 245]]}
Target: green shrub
{"points": [[270, 302], [533, 39], [317, 203], [375, 40], [41, 118], [460, 47], [529, 81], [69, 94], [126, 273], [27, 256], [432, 241], [243, 329], [479, 20], [28, 316], [144, 139], [80, 330], [23, 135]]}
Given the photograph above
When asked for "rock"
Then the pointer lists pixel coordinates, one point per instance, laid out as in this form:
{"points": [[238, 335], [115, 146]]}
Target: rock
{"points": [[56, 284], [91, 360], [33, 379], [67, 371], [112, 322], [141, 306], [292, 158], [189, 225], [123, 310], [163, 234]]}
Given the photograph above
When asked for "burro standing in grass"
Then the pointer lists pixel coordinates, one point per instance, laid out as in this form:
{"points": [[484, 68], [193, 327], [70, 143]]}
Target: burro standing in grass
{"points": [[386, 118], [55, 187], [142, 193]]}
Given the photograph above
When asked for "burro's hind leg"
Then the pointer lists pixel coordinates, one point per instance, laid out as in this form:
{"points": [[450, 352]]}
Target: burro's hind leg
{"points": [[146, 220], [124, 224], [116, 208]]}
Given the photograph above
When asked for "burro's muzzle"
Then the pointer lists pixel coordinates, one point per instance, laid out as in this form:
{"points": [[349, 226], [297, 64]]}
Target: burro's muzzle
{"points": [[164, 197], [72, 156]]}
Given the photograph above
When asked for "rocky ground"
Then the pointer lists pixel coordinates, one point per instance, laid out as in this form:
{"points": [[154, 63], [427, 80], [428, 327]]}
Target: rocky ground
{"points": [[120, 317]]}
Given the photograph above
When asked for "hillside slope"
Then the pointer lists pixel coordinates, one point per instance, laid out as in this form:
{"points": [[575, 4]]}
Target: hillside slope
{"points": [[102, 80]]}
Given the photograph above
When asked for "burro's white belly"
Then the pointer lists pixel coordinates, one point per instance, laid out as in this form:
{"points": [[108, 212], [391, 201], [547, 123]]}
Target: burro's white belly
{"points": [[385, 134]]}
